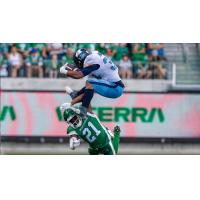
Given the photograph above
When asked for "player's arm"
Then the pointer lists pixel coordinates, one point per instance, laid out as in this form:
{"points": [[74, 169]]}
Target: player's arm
{"points": [[77, 74], [74, 140]]}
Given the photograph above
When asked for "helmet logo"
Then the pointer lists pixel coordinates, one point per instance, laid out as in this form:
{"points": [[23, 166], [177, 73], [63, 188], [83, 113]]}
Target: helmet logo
{"points": [[78, 52]]}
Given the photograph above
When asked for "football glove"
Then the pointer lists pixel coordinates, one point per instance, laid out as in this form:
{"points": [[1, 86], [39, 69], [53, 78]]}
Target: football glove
{"points": [[74, 142], [63, 69]]}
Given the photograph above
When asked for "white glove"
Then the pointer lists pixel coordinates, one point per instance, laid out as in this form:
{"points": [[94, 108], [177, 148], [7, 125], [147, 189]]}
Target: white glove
{"points": [[63, 69], [74, 142], [65, 106]]}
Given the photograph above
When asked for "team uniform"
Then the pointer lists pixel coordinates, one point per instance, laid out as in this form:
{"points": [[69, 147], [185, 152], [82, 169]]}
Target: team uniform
{"points": [[100, 139], [105, 80], [102, 77], [96, 135]]}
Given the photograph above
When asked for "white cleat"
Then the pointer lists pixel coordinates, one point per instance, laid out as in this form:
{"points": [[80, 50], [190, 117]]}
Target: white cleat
{"points": [[68, 90]]}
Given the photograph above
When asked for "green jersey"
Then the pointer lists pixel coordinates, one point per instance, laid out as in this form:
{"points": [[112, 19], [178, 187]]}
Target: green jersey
{"points": [[34, 60], [92, 131], [3, 61]]}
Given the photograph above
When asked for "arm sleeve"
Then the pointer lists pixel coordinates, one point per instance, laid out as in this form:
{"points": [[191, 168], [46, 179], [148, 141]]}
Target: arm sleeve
{"points": [[89, 69]]}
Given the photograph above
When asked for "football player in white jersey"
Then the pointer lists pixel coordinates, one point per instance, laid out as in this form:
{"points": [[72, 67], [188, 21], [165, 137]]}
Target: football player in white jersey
{"points": [[103, 78]]}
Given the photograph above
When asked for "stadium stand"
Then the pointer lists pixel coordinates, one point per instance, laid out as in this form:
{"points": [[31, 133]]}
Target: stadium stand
{"points": [[187, 59], [186, 56], [43, 60]]}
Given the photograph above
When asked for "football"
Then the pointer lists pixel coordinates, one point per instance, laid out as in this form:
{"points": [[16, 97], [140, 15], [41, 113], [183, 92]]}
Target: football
{"points": [[71, 67]]}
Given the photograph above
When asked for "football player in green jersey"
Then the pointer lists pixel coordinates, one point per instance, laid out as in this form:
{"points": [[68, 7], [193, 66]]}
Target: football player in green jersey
{"points": [[88, 128]]}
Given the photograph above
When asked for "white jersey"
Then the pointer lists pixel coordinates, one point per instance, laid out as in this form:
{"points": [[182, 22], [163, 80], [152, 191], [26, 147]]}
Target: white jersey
{"points": [[108, 70]]}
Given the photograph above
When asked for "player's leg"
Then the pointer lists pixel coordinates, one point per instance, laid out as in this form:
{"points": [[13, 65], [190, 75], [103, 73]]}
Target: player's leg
{"points": [[109, 149], [73, 93], [85, 96], [92, 151], [90, 109], [77, 99], [106, 89]]}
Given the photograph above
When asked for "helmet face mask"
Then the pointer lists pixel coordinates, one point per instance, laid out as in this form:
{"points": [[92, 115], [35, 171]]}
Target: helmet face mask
{"points": [[79, 57], [72, 118]]}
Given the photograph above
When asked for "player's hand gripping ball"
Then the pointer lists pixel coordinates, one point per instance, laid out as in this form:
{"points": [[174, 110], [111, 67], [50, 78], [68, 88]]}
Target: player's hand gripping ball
{"points": [[67, 67], [71, 67], [74, 142]]}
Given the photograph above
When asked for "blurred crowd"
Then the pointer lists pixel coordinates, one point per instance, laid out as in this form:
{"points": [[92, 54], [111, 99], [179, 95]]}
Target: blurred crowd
{"points": [[138, 60]]}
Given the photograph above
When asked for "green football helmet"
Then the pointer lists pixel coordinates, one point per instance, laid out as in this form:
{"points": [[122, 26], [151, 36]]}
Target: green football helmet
{"points": [[72, 118]]}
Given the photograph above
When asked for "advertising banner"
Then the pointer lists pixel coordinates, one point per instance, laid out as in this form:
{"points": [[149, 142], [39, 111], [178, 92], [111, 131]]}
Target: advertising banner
{"points": [[138, 114]]}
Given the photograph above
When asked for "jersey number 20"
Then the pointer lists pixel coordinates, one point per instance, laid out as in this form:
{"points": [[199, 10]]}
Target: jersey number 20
{"points": [[88, 133]]}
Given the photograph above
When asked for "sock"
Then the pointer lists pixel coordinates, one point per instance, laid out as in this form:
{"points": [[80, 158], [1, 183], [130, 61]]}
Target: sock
{"points": [[75, 94], [81, 91], [88, 94]]}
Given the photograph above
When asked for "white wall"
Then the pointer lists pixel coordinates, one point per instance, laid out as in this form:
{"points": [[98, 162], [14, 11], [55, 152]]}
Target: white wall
{"points": [[59, 84]]}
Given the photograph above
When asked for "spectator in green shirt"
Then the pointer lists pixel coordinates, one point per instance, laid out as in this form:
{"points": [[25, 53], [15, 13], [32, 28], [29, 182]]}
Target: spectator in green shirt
{"points": [[140, 59], [34, 64], [51, 68], [101, 48], [3, 65], [68, 56], [4, 47], [119, 50], [88, 46]]}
